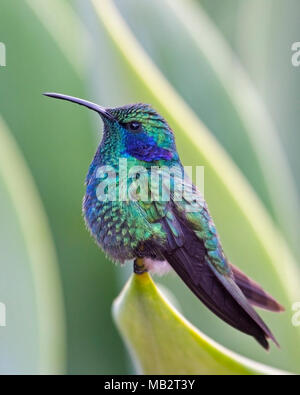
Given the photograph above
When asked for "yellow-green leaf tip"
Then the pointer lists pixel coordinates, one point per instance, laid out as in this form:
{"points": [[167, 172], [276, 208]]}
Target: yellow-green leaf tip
{"points": [[161, 341]]}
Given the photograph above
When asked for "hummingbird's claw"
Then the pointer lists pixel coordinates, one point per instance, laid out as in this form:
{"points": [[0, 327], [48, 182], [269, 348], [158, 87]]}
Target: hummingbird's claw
{"points": [[139, 267]]}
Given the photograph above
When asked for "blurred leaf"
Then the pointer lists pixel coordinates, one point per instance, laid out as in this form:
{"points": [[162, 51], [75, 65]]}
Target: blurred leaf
{"points": [[250, 108], [161, 341], [29, 253], [271, 69], [73, 41]]}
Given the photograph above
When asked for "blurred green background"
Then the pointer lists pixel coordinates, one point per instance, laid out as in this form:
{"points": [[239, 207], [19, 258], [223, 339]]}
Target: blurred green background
{"points": [[230, 62]]}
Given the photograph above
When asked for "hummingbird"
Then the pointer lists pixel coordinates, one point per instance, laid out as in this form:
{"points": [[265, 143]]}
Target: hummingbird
{"points": [[160, 234]]}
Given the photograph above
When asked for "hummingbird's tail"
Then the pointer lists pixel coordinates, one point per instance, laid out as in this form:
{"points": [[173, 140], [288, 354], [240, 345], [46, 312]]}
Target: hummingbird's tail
{"points": [[233, 289], [229, 295], [220, 299], [254, 292]]}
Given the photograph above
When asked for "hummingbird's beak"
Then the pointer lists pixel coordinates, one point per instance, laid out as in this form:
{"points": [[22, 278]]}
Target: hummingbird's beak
{"points": [[101, 110]]}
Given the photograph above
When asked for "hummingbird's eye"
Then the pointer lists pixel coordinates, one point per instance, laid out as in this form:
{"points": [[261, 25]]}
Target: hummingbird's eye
{"points": [[134, 126]]}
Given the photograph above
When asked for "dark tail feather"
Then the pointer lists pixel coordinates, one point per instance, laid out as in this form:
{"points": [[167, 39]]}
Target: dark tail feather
{"points": [[219, 292], [229, 283], [255, 293], [202, 280]]}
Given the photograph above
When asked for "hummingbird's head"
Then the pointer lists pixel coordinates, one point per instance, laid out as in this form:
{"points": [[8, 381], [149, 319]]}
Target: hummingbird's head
{"points": [[135, 130], [145, 134]]}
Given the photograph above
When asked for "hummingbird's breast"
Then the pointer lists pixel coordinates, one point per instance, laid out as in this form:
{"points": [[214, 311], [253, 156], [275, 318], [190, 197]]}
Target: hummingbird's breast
{"points": [[118, 225]]}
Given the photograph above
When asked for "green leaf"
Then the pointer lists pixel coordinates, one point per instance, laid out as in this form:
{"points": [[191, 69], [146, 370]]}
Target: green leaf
{"points": [[161, 341], [250, 107], [33, 303]]}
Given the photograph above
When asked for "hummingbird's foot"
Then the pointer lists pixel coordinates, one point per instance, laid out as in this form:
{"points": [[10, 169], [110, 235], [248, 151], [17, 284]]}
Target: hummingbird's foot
{"points": [[139, 267]]}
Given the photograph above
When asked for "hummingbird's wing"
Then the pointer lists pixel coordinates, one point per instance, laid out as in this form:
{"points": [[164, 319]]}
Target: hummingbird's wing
{"points": [[194, 251]]}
